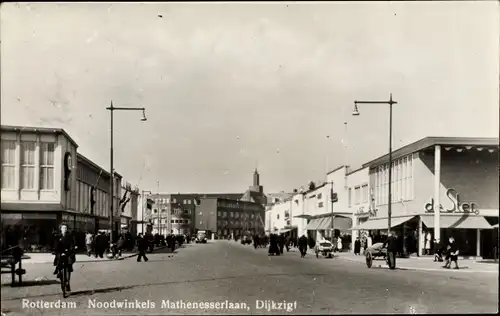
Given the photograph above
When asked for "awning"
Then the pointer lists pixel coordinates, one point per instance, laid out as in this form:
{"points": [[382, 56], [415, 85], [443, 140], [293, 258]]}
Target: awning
{"points": [[383, 223], [495, 226], [314, 223], [342, 223], [458, 221], [303, 216], [326, 224]]}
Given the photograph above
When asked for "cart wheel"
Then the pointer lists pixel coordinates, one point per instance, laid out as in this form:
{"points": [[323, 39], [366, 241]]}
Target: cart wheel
{"points": [[391, 261], [369, 259]]}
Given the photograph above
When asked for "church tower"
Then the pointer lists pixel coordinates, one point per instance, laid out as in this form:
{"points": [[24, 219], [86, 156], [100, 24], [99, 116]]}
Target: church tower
{"points": [[256, 178]]}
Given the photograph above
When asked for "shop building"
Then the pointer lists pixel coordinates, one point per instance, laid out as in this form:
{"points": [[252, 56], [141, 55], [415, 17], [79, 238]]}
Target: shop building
{"points": [[360, 201], [92, 198], [229, 217], [45, 182], [458, 174], [38, 184]]}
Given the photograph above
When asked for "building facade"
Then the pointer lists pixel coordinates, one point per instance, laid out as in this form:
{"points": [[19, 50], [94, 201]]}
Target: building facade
{"points": [[229, 218], [45, 182], [458, 174], [360, 199]]}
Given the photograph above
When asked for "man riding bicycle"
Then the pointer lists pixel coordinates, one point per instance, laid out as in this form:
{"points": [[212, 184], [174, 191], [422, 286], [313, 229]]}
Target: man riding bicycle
{"points": [[65, 246]]}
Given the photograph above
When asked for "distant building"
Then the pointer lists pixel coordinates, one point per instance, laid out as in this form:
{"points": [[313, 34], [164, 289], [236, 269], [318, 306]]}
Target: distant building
{"points": [[229, 218], [175, 213]]}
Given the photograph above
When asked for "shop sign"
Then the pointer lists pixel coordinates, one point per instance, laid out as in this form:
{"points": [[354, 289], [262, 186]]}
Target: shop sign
{"points": [[458, 206], [370, 212]]}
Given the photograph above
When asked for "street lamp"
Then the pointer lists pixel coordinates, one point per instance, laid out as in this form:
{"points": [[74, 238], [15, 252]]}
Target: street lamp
{"points": [[356, 113], [149, 192], [111, 109]]}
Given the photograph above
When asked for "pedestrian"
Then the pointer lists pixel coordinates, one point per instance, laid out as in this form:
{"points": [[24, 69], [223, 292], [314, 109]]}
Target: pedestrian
{"points": [[357, 246], [392, 247], [452, 255], [302, 243], [120, 245], [339, 244], [427, 248], [281, 242], [287, 243], [172, 244], [438, 251], [89, 240], [142, 246]]}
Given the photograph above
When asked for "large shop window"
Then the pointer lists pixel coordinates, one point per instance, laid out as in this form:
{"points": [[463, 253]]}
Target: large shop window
{"points": [[28, 165], [47, 166], [8, 164]]}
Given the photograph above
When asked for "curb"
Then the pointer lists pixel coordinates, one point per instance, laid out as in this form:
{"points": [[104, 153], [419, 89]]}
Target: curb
{"points": [[421, 269], [130, 255]]}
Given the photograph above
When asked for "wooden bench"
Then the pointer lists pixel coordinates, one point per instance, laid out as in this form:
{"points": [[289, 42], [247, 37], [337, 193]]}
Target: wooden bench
{"points": [[9, 261]]}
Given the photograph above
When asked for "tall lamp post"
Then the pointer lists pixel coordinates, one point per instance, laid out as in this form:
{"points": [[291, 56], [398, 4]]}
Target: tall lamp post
{"points": [[144, 201], [111, 109], [356, 113], [333, 199]]}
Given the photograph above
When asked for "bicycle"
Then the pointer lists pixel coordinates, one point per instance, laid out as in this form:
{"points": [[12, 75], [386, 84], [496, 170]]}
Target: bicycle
{"points": [[64, 273]]}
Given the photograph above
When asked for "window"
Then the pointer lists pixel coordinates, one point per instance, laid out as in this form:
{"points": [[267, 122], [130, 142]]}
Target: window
{"points": [[277, 216], [357, 195], [155, 211], [28, 165], [320, 204], [364, 192], [409, 192], [349, 197], [189, 201], [404, 179], [174, 201], [8, 164], [320, 195], [172, 221], [168, 201]]}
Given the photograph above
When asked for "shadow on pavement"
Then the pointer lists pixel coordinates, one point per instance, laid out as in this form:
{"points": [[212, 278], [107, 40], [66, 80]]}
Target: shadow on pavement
{"points": [[120, 288], [33, 283], [98, 291]]}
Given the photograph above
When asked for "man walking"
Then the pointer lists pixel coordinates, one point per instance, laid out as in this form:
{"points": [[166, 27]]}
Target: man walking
{"points": [[89, 239], [392, 248], [303, 246], [142, 246], [452, 255]]}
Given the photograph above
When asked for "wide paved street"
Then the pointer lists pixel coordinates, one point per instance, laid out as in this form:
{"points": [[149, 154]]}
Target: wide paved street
{"points": [[226, 271]]}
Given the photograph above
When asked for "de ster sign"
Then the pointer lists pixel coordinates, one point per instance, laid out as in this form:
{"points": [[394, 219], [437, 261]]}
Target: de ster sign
{"points": [[458, 206]]}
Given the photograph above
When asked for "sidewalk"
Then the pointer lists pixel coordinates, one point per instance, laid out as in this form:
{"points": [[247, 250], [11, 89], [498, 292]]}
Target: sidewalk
{"points": [[424, 264], [49, 258]]}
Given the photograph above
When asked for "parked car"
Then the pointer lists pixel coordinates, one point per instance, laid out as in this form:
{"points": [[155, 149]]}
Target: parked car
{"points": [[201, 237], [246, 240], [324, 248]]}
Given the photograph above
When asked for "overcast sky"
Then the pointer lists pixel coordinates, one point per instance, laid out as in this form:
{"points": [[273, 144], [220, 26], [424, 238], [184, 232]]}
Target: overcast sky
{"points": [[228, 86]]}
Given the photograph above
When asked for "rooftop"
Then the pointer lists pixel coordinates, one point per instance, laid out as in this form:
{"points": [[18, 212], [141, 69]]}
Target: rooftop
{"points": [[427, 142], [42, 130]]}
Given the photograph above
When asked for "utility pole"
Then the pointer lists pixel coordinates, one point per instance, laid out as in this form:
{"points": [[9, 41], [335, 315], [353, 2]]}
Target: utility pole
{"points": [[356, 113]]}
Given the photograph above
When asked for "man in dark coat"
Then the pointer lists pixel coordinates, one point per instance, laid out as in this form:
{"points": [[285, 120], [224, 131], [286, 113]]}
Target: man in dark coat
{"points": [[281, 242], [273, 245], [302, 246], [392, 246], [142, 246], [357, 246], [65, 244]]}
